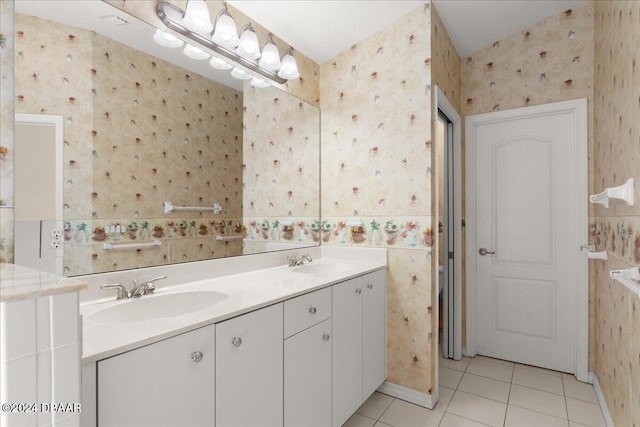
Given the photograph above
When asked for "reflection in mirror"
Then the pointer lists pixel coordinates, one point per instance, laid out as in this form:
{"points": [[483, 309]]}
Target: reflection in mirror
{"points": [[140, 131]]}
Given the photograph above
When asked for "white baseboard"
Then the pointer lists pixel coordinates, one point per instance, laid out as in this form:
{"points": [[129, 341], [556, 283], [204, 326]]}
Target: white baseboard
{"points": [[603, 404], [409, 395]]}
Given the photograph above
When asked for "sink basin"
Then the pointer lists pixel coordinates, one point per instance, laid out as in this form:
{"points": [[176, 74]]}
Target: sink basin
{"points": [[157, 307], [322, 268]]}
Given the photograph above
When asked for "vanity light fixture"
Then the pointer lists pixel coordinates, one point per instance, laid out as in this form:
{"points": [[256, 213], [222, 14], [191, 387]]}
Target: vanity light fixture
{"points": [[167, 40], [220, 64], [270, 59], [225, 33], [196, 17], [289, 69], [259, 83], [240, 74], [248, 47], [221, 41], [194, 52]]}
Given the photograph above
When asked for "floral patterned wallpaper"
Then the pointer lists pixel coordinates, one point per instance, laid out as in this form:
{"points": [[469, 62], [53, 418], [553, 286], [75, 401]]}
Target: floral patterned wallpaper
{"points": [[134, 140], [617, 229], [281, 169], [376, 176], [6, 130]]}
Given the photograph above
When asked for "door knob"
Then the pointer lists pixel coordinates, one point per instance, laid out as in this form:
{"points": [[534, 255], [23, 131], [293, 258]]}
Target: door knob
{"points": [[196, 356], [236, 341], [484, 251], [312, 310]]}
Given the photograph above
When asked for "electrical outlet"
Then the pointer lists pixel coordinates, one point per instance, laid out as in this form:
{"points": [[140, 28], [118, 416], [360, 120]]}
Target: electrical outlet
{"points": [[56, 233], [57, 243]]}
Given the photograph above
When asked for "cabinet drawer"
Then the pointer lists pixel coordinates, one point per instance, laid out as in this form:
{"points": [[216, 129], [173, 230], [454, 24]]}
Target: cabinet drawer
{"points": [[307, 310]]}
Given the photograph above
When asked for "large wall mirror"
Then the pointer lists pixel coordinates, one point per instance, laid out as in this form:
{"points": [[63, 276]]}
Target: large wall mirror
{"points": [[165, 159]]}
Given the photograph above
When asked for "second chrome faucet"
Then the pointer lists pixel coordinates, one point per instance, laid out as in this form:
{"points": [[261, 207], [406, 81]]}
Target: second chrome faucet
{"points": [[145, 288]]}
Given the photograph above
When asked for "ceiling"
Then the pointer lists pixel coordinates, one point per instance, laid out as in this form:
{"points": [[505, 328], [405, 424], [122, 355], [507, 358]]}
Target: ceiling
{"points": [[323, 29]]}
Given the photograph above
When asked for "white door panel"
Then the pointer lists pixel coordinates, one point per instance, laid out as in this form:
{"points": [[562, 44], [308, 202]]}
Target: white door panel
{"points": [[525, 183]]}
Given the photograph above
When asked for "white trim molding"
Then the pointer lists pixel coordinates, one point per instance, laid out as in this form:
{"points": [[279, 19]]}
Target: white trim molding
{"points": [[404, 393], [603, 403]]}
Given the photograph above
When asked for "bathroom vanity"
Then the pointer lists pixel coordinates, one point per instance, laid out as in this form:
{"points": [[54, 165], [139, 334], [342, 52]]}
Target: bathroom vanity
{"points": [[278, 346]]}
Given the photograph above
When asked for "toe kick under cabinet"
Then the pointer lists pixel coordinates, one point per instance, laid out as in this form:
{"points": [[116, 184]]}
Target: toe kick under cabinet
{"points": [[309, 361]]}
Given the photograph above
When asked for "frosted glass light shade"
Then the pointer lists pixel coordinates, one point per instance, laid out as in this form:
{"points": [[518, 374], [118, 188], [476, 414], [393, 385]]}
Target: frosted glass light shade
{"points": [[167, 40], [270, 59], [195, 52], [196, 18], [256, 82], [220, 64], [289, 69], [248, 46], [241, 74], [225, 33]]}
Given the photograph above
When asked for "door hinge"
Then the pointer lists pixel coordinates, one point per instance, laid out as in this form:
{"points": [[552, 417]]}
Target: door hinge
{"points": [[450, 255]]}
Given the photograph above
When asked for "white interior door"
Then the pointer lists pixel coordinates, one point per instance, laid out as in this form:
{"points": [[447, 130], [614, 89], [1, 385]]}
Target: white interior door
{"points": [[528, 210]]}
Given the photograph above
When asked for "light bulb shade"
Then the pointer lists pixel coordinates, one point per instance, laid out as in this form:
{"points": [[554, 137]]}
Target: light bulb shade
{"points": [[270, 59], [289, 69], [225, 33], [196, 18], [248, 47], [166, 39], [195, 52], [241, 74], [220, 64], [259, 83]]}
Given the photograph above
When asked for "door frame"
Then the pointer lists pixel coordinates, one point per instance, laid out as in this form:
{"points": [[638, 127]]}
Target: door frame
{"points": [[57, 121], [443, 104], [577, 107]]}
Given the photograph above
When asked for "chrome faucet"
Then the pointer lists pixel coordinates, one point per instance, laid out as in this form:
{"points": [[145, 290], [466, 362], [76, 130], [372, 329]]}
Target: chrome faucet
{"points": [[122, 291], [295, 261], [145, 288]]}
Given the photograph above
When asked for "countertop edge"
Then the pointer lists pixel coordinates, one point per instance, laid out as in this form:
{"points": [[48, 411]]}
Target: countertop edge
{"points": [[157, 337]]}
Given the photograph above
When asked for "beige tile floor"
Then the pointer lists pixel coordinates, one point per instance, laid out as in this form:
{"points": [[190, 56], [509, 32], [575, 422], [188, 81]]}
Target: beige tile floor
{"points": [[483, 391]]}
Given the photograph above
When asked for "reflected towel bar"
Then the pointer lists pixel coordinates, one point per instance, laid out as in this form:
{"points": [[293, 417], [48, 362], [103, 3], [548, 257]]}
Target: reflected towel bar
{"points": [[238, 236], [629, 277], [109, 246], [168, 208]]}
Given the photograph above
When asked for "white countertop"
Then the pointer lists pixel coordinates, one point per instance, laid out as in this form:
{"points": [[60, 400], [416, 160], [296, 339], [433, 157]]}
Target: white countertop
{"points": [[17, 283], [246, 292]]}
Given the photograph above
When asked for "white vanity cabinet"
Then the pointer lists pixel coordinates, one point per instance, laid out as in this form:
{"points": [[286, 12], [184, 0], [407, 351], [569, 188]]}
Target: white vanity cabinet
{"points": [[310, 360], [249, 369], [307, 360], [359, 342], [168, 383]]}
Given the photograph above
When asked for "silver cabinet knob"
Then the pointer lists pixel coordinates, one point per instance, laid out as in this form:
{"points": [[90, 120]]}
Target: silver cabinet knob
{"points": [[484, 251], [197, 356], [358, 291], [326, 337], [312, 310], [236, 341], [369, 286]]}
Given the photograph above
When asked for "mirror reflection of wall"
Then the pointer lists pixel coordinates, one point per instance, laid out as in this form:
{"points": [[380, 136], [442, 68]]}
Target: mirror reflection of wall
{"points": [[139, 132]]}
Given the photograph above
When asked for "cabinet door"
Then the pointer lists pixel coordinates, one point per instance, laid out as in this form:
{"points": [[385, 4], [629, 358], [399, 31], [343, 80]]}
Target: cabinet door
{"points": [[162, 384], [249, 369], [307, 377], [347, 349], [374, 346]]}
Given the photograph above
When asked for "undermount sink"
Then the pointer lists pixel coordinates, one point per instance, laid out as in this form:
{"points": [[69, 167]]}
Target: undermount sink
{"points": [[157, 307], [322, 268]]}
